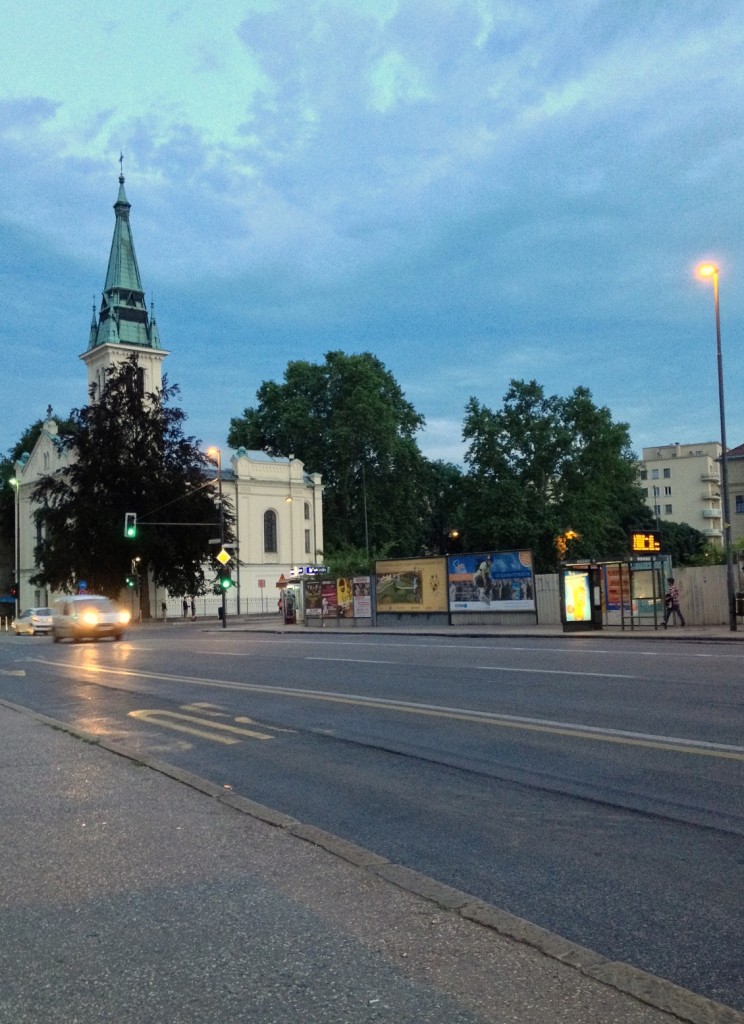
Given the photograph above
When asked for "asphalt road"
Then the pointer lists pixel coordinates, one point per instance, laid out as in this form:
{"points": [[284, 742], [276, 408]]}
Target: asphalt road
{"points": [[595, 788]]}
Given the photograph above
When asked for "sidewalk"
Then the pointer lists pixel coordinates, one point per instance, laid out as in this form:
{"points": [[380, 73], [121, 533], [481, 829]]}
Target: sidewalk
{"points": [[133, 892], [274, 624]]}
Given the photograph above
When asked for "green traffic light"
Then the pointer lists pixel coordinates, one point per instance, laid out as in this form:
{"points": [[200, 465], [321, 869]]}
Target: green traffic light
{"points": [[225, 582]]}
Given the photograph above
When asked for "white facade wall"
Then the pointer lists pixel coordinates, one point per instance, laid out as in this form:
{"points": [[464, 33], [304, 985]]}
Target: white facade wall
{"points": [[682, 484]]}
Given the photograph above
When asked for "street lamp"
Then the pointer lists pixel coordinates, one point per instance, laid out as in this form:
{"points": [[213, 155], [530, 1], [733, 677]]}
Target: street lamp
{"points": [[16, 484], [710, 270], [216, 454]]}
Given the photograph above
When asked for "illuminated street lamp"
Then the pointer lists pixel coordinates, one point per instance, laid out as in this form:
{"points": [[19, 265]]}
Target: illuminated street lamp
{"points": [[16, 484], [216, 454], [710, 270]]}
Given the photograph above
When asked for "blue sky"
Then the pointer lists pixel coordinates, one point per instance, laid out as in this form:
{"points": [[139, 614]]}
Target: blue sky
{"points": [[473, 190]]}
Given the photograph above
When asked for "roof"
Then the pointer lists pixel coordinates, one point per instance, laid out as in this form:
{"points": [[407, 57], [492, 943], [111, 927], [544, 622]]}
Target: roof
{"points": [[123, 317]]}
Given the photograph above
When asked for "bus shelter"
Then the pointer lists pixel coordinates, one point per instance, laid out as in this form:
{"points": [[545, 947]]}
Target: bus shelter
{"points": [[628, 594]]}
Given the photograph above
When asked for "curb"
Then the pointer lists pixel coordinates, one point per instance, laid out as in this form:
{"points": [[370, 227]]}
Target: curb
{"points": [[647, 988]]}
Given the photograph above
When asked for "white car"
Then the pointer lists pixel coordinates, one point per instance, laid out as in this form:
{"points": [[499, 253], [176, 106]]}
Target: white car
{"points": [[33, 621], [88, 617]]}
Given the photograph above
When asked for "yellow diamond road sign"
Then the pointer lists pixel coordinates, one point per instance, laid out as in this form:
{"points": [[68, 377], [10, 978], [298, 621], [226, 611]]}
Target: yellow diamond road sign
{"points": [[223, 557]]}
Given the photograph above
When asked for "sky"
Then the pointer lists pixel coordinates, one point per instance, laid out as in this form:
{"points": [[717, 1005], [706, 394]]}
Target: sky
{"points": [[475, 191]]}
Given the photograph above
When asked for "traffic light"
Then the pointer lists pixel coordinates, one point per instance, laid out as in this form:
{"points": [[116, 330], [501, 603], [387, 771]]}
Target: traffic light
{"points": [[130, 524], [131, 581], [14, 590], [225, 578]]}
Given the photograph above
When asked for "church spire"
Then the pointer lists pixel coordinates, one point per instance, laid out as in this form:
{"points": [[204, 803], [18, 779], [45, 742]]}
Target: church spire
{"points": [[123, 327], [123, 315]]}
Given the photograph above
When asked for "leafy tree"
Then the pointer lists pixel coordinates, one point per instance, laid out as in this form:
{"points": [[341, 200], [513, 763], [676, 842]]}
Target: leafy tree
{"points": [[544, 465], [348, 420], [128, 454], [441, 496]]}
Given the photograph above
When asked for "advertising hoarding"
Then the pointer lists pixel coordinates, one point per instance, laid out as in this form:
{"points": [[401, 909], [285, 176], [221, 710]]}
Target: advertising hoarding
{"points": [[495, 581], [411, 585]]}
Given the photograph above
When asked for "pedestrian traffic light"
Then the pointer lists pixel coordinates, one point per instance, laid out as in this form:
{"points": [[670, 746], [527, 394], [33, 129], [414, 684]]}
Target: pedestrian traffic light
{"points": [[225, 578], [130, 524]]}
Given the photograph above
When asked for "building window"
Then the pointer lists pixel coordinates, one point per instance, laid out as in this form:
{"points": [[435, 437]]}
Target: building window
{"points": [[644, 474], [307, 510], [656, 492], [657, 510], [644, 492], [668, 492], [739, 503], [667, 510], [270, 531], [654, 474], [667, 474], [141, 381], [307, 542]]}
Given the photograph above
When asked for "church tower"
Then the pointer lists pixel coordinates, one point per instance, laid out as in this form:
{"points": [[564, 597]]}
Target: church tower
{"points": [[123, 325]]}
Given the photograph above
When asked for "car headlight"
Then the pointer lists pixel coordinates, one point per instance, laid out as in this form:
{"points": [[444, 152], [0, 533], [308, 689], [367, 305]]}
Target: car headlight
{"points": [[89, 618], [124, 617]]}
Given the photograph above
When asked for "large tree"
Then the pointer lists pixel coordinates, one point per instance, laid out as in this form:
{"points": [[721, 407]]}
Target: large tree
{"points": [[128, 454], [347, 419], [543, 465]]}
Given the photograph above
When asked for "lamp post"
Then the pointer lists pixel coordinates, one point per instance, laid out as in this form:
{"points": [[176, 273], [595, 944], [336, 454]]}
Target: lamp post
{"points": [[216, 454], [710, 270], [290, 502], [15, 483]]}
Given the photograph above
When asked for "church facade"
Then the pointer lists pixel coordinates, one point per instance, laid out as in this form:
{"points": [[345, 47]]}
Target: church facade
{"points": [[277, 505]]}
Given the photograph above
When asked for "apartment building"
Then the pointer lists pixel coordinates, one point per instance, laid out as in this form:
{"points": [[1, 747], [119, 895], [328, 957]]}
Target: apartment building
{"points": [[682, 484]]}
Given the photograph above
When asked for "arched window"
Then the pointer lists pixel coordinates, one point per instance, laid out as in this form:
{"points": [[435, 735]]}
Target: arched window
{"points": [[270, 531], [307, 510]]}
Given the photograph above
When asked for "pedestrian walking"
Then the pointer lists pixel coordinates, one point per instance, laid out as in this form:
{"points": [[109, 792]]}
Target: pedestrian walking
{"points": [[185, 608], [671, 603], [164, 610]]}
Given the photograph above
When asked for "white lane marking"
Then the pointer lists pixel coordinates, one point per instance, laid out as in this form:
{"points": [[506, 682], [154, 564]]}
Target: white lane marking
{"points": [[353, 661], [496, 645], [442, 711], [549, 671]]}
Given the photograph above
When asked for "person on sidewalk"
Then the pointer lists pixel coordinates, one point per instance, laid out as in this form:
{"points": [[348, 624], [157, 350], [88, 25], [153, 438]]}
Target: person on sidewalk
{"points": [[671, 603]]}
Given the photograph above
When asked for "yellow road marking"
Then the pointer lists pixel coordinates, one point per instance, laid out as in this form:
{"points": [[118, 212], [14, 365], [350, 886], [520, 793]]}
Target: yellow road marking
{"points": [[677, 745], [175, 720]]}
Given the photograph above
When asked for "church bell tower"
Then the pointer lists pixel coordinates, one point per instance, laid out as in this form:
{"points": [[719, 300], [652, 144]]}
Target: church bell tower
{"points": [[123, 325]]}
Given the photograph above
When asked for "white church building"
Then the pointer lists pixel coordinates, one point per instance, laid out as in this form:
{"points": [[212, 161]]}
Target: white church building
{"points": [[277, 505]]}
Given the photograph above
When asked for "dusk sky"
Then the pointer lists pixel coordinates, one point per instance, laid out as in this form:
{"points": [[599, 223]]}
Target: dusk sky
{"points": [[472, 190]]}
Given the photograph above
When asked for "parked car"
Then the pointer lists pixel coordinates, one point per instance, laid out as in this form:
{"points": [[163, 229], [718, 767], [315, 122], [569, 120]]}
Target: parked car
{"points": [[88, 617], [32, 621]]}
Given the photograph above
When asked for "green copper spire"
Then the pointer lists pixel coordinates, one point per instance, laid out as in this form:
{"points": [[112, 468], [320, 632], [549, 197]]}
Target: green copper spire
{"points": [[123, 318]]}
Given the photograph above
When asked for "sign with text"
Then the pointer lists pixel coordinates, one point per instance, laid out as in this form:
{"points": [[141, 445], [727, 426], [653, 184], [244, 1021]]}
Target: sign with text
{"points": [[645, 542]]}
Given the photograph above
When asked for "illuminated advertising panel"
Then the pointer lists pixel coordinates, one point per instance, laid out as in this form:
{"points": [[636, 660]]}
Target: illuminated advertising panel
{"points": [[577, 596], [495, 581]]}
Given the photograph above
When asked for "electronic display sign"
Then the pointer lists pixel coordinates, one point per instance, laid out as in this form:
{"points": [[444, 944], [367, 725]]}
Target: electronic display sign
{"points": [[645, 542]]}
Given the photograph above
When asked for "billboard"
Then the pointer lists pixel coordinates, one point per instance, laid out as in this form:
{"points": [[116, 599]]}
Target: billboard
{"points": [[495, 581], [411, 585]]}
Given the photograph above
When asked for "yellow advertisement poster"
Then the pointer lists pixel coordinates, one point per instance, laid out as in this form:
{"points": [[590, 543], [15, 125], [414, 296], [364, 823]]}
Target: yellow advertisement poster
{"points": [[578, 597], [412, 585]]}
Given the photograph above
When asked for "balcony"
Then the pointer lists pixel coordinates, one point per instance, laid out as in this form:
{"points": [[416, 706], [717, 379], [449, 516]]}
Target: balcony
{"points": [[712, 534], [711, 477], [711, 513]]}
